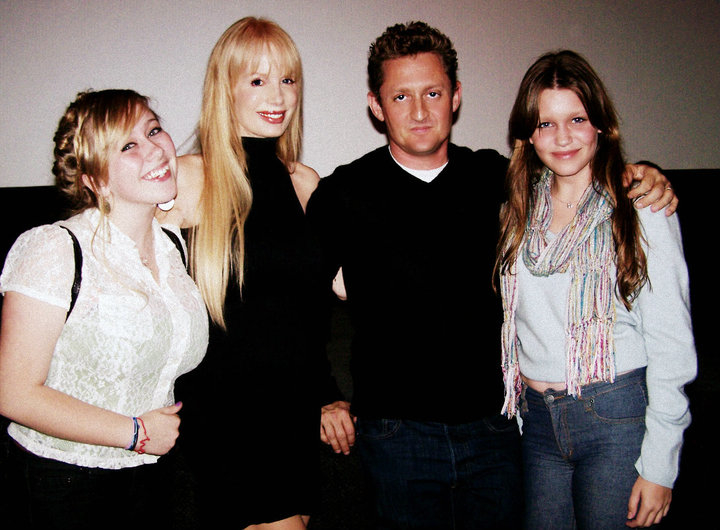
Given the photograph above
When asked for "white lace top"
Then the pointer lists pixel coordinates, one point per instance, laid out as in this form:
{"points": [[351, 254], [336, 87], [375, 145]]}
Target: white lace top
{"points": [[128, 337]]}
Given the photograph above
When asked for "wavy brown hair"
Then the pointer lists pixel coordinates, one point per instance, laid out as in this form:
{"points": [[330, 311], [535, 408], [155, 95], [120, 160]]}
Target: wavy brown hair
{"points": [[566, 69]]}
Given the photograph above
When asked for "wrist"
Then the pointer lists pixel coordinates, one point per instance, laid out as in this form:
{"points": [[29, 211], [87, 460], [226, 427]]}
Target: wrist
{"points": [[136, 428], [140, 437]]}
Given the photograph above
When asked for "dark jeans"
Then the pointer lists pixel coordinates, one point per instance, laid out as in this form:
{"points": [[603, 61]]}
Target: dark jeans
{"points": [[54, 495], [437, 476], [579, 454]]}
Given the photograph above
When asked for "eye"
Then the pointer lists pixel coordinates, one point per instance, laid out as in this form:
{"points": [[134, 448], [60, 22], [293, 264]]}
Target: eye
{"points": [[399, 97], [155, 130], [579, 119], [288, 81], [434, 94], [543, 125], [256, 82], [127, 147]]}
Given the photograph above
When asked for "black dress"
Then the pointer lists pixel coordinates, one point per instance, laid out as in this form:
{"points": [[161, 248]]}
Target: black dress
{"points": [[251, 411]]}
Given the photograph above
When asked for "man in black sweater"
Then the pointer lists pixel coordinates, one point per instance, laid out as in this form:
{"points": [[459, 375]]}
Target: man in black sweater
{"points": [[414, 227]]}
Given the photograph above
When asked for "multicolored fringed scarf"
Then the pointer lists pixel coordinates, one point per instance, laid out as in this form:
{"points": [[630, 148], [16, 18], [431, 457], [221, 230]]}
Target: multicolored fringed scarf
{"points": [[585, 248]]}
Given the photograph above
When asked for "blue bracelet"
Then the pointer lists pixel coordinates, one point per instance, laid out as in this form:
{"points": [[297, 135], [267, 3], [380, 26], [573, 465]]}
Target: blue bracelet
{"points": [[131, 447]]}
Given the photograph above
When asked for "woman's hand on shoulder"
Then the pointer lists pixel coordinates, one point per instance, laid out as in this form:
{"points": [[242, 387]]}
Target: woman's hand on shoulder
{"points": [[648, 504], [190, 183], [305, 179]]}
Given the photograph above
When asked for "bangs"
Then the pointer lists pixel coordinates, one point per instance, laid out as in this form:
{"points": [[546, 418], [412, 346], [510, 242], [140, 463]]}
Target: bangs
{"points": [[282, 56], [108, 124]]}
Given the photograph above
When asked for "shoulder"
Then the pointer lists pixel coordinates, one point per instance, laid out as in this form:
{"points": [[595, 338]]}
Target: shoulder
{"points": [[190, 183], [485, 167], [658, 228], [486, 157], [373, 160], [305, 179], [191, 166], [39, 264], [41, 239]]}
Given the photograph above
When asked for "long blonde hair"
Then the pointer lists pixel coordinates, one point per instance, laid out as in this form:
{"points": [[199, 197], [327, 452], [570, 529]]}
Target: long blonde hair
{"points": [[217, 241]]}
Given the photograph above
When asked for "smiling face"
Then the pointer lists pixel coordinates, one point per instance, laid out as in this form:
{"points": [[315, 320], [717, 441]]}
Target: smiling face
{"points": [[265, 99], [142, 167], [417, 103], [565, 140]]}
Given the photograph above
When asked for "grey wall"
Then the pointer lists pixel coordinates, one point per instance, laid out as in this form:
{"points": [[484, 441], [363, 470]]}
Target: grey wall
{"points": [[659, 60]]}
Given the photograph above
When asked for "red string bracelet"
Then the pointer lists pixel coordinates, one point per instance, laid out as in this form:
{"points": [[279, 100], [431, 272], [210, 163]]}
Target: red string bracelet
{"points": [[140, 449]]}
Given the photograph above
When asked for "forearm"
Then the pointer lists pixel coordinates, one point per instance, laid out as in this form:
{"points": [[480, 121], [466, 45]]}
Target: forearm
{"points": [[57, 414]]}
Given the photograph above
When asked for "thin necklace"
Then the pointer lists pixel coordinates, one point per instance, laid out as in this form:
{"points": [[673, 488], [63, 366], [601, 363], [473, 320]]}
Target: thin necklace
{"points": [[567, 204]]}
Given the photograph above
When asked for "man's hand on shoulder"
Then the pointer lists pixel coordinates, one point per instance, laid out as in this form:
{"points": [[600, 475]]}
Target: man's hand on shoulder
{"points": [[649, 187]]}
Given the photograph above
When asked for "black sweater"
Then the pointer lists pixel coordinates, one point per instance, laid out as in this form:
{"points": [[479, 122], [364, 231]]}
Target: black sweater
{"points": [[417, 260]]}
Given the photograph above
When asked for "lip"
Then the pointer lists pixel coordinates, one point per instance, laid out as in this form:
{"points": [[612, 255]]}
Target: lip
{"points": [[273, 117], [564, 155], [159, 174], [421, 130]]}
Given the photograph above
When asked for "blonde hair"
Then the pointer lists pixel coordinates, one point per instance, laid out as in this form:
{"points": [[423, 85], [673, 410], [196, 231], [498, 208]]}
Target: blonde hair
{"points": [[92, 125], [217, 241]]}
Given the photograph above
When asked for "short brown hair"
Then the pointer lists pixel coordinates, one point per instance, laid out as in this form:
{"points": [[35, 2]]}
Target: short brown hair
{"points": [[402, 40]]}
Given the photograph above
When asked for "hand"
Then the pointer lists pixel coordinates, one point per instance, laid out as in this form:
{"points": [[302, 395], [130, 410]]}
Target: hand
{"points": [[337, 426], [162, 426], [648, 504], [651, 188]]}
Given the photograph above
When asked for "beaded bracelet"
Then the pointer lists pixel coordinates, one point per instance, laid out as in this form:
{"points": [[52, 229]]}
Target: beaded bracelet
{"points": [[131, 447]]}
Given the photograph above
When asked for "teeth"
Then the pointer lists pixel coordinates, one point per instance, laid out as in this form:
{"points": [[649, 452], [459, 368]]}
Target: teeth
{"points": [[157, 173]]}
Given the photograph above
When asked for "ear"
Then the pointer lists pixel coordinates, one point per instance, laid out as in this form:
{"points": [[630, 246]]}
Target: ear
{"points": [[531, 140], [88, 183], [457, 96], [375, 106], [92, 184]]}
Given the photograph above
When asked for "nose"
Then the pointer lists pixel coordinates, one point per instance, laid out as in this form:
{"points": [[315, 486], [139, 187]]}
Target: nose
{"points": [[419, 109], [153, 149], [563, 137], [276, 94]]}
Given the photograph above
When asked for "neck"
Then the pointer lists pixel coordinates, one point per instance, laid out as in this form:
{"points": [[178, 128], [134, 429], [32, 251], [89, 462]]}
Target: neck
{"points": [[136, 225], [432, 160], [568, 190]]}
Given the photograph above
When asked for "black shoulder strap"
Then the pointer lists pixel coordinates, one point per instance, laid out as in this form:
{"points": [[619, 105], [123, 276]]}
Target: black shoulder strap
{"points": [[78, 271], [79, 260], [175, 239]]}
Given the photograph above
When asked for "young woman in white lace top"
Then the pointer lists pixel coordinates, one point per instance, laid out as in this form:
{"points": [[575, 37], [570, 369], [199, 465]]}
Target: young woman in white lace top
{"points": [[88, 380]]}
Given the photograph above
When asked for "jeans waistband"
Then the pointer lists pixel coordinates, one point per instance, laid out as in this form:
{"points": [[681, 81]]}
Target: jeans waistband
{"points": [[592, 389]]}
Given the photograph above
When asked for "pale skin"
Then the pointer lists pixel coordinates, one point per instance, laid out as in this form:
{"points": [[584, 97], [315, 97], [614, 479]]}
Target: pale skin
{"points": [[191, 178], [264, 103], [417, 103], [31, 328], [565, 141]]}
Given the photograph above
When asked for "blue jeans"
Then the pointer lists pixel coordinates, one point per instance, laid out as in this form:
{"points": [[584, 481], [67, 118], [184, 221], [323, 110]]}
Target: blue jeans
{"points": [[437, 476], [579, 454]]}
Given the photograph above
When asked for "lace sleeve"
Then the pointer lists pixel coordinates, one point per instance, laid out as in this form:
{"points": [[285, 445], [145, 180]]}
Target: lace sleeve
{"points": [[41, 265]]}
